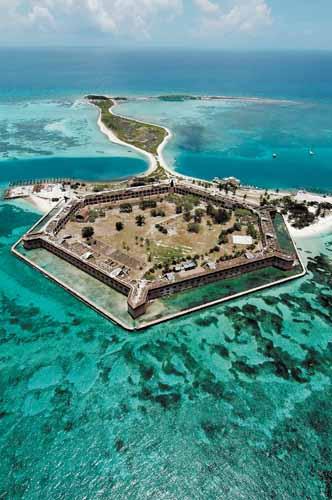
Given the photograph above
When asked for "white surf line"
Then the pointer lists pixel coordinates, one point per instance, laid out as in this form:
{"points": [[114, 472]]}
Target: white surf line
{"points": [[153, 159], [161, 146], [159, 156], [113, 138]]}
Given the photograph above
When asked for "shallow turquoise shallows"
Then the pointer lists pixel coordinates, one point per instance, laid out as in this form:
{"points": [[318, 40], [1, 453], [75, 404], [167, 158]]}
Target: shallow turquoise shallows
{"points": [[232, 402]]}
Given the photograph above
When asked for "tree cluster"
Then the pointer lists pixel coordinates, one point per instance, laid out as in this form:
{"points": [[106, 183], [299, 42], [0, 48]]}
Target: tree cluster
{"points": [[218, 215], [126, 207], [147, 204], [87, 232], [161, 228], [157, 212]]}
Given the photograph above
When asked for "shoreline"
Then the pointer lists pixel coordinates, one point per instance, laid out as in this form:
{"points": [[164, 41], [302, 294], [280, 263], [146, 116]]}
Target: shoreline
{"points": [[152, 159], [318, 228], [159, 157], [43, 205], [152, 163], [322, 226]]}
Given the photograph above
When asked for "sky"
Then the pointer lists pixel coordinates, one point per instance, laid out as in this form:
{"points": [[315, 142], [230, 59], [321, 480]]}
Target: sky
{"points": [[228, 24]]}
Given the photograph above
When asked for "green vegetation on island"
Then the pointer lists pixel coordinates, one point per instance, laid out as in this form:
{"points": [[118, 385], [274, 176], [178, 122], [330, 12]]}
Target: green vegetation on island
{"points": [[142, 135], [177, 98]]}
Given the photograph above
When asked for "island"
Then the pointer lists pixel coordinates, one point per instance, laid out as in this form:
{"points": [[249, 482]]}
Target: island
{"points": [[148, 249], [144, 137]]}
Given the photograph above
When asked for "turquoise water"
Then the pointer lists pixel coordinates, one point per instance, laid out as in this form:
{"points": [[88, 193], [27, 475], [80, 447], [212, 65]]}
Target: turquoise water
{"points": [[210, 138], [232, 402], [239, 138], [79, 168], [59, 138]]}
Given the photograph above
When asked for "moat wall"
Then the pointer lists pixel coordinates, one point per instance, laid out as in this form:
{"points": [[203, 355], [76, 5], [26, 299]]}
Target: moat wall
{"points": [[137, 304], [162, 289], [76, 261]]}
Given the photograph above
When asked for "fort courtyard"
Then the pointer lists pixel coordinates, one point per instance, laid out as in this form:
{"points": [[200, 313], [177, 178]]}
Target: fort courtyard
{"points": [[162, 238], [154, 237]]}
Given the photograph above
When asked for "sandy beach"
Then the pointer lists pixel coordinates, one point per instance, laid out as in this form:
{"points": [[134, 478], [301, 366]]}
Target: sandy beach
{"points": [[42, 204], [152, 158], [307, 196], [113, 138], [322, 226]]}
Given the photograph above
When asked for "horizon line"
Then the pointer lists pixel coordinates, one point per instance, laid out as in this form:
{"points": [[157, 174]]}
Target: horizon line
{"points": [[136, 48]]}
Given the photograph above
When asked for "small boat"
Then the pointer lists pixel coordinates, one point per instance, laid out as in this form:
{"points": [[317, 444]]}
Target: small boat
{"points": [[274, 155], [311, 152]]}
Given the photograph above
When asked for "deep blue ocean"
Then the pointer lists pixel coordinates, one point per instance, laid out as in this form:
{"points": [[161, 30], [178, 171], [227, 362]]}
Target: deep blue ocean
{"points": [[233, 402], [37, 73], [39, 119]]}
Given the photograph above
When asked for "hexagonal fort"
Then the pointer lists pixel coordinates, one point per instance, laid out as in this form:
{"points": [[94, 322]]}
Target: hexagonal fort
{"points": [[154, 240]]}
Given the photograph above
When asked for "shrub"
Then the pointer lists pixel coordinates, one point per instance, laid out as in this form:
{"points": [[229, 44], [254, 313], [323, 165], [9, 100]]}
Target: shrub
{"points": [[126, 207], [147, 204], [87, 232], [157, 212], [222, 216], [251, 231], [187, 216], [193, 227], [140, 220], [119, 226], [223, 239], [199, 212]]}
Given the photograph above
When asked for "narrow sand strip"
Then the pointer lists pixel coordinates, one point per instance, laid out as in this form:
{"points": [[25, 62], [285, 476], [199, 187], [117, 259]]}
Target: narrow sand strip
{"points": [[113, 138], [153, 159], [161, 146]]}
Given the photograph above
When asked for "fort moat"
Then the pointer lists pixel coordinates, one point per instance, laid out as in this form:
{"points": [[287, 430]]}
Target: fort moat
{"points": [[152, 241], [156, 236]]}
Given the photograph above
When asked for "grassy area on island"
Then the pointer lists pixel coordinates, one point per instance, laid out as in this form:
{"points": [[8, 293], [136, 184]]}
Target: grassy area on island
{"points": [[142, 135]]}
